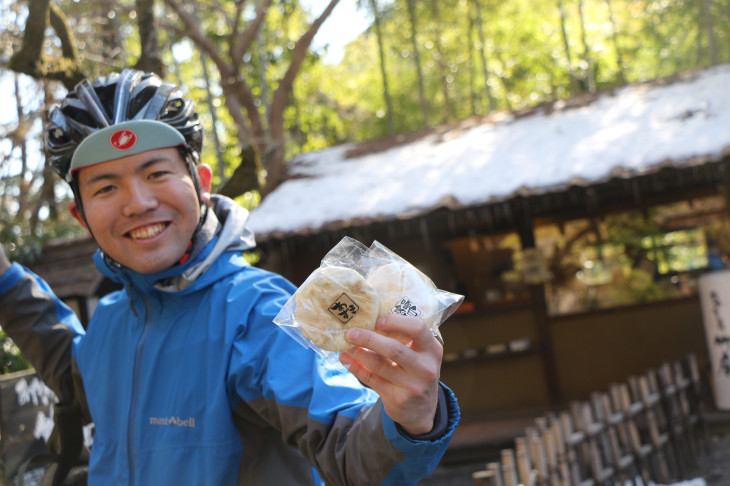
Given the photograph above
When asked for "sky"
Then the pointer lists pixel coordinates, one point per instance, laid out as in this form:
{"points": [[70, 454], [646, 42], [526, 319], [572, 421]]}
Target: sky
{"points": [[343, 26], [8, 115], [628, 131]]}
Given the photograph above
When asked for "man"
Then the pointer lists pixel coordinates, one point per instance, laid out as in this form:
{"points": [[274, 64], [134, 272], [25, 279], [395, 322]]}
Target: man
{"points": [[184, 374]]}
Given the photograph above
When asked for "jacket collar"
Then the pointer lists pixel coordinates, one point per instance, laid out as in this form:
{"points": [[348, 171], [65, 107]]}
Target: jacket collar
{"points": [[224, 230]]}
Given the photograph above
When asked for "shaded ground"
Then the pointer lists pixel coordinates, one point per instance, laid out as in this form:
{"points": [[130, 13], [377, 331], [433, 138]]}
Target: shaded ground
{"points": [[713, 468]]}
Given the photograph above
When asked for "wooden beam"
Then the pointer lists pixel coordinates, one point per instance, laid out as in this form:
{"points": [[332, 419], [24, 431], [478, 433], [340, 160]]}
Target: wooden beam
{"points": [[539, 309]]}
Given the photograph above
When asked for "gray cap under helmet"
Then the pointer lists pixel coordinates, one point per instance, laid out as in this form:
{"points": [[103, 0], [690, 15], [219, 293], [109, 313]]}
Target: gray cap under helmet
{"points": [[121, 140]]}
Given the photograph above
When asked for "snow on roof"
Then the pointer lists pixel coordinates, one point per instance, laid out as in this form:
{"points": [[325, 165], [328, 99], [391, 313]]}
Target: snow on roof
{"points": [[632, 130]]}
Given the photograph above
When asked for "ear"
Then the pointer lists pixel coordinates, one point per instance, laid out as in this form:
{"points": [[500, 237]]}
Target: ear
{"points": [[205, 177], [76, 213]]}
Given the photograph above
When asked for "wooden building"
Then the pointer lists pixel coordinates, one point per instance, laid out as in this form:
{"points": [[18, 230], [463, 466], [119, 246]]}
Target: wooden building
{"points": [[576, 230], [68, 267]]}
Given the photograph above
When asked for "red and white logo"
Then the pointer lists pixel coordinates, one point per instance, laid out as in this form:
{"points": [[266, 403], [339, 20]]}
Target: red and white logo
{"points": [[123, 139]]}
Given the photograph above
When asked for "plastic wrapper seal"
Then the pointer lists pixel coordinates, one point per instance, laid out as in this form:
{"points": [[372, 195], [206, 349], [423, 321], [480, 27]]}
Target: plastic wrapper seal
{"points": [[353, 286]]}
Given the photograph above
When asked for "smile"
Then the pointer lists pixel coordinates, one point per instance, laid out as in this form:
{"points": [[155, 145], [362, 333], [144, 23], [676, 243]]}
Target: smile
{"points": [[147, 231]]}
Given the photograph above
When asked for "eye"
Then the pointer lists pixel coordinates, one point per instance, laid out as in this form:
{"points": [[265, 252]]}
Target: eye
{"points": [[103, 190], [158, 173]]}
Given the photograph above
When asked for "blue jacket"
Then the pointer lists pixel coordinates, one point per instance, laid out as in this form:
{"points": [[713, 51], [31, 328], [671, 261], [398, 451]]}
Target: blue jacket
{"points": [[188, 380]]}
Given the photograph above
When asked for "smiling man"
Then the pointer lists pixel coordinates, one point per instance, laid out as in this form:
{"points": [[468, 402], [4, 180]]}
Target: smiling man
{"points": [[184, 374], [143, 207]]}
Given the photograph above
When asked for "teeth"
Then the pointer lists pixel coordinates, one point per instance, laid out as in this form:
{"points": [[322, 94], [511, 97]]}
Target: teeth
{"points": [[147, 232]]}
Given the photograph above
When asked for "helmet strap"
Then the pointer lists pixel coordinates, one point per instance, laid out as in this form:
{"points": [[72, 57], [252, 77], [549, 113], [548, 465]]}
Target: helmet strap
{"points": [[191, 159], [79, 204]]}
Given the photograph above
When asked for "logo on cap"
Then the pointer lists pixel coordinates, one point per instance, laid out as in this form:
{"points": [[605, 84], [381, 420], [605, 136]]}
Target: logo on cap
{"points": [[123, 139]]}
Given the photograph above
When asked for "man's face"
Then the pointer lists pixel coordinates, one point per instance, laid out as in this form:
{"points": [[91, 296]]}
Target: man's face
{"points": [[142, 209]]}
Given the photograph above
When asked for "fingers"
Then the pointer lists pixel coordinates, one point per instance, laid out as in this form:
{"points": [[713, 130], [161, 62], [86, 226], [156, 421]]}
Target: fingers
{"points": [[401, 346], [408, 330], [373, 368], [401, 361], [395, 338], [354, 360]]}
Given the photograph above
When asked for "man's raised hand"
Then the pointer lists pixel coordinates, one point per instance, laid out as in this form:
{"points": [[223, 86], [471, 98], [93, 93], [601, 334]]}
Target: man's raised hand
{"points": [[401, 361]]}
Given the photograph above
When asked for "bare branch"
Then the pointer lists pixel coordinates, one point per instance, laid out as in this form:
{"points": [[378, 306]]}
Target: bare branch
{"points": [[238, 94], [281, 98], [192, 30], [243, 41], [63, 31], [235, 24], [283, 91]]}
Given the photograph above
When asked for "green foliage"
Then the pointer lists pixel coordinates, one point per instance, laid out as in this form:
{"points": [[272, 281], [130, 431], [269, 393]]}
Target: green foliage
{"points": [[526, 59], [10, 358], [631, 227]]}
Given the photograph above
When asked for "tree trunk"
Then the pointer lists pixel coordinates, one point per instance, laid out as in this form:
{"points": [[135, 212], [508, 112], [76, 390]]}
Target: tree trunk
{"points": [[261, 50], [256, 151], [109, 31], [712, 50], [247, 176], [483, 51], [383, 70], [443, 71], [274, 156], [504, 79], [419, 71], [614, 37], [47, 196], [590, 71], [727, 10], [472, 64], [214, 118], [31, 60], [237, 94], [21, 142], [48, 193], [150, 59], [566, 45]]}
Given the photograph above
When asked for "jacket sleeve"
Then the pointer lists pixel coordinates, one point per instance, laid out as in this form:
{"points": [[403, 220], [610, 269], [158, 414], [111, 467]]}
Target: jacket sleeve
{"points": [[41, 325], [320, 408]]}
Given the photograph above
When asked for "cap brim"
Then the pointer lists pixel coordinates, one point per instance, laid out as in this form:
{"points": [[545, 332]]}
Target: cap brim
{"points": [[122, 140]]}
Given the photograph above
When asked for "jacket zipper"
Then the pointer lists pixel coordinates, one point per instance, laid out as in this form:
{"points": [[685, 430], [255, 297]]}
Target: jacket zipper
{"points": [[135, 389]]}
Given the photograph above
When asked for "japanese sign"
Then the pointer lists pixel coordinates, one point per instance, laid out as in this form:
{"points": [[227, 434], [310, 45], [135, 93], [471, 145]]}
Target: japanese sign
{"points": [[715, 297], [27, 421]]}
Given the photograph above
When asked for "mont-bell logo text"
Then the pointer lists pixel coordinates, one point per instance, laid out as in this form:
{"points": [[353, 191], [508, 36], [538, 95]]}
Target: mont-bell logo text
{"points": [[123, 139], [173, 421]]}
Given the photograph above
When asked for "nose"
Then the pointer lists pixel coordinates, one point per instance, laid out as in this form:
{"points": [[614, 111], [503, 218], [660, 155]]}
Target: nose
{"points": [[138, 199]]}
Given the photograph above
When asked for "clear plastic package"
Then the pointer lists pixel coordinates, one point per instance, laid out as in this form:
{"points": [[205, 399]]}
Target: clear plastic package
{"points": [[353, 286]]}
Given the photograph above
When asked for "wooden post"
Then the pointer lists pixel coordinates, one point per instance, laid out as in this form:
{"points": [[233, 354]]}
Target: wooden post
{"points": [[539, 309]]}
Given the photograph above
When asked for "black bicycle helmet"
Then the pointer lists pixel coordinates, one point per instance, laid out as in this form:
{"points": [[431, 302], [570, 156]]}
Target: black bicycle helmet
{"points": [[117, 98], [122, 99]]}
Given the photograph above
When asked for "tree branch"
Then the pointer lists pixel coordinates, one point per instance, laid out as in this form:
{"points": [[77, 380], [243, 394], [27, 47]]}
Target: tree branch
{"points": [[237, 93], [63, 31], [235, 23], [283, 91], [30, 59], [243, 40], [150, 58], [192, 30], [281, 98]]}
